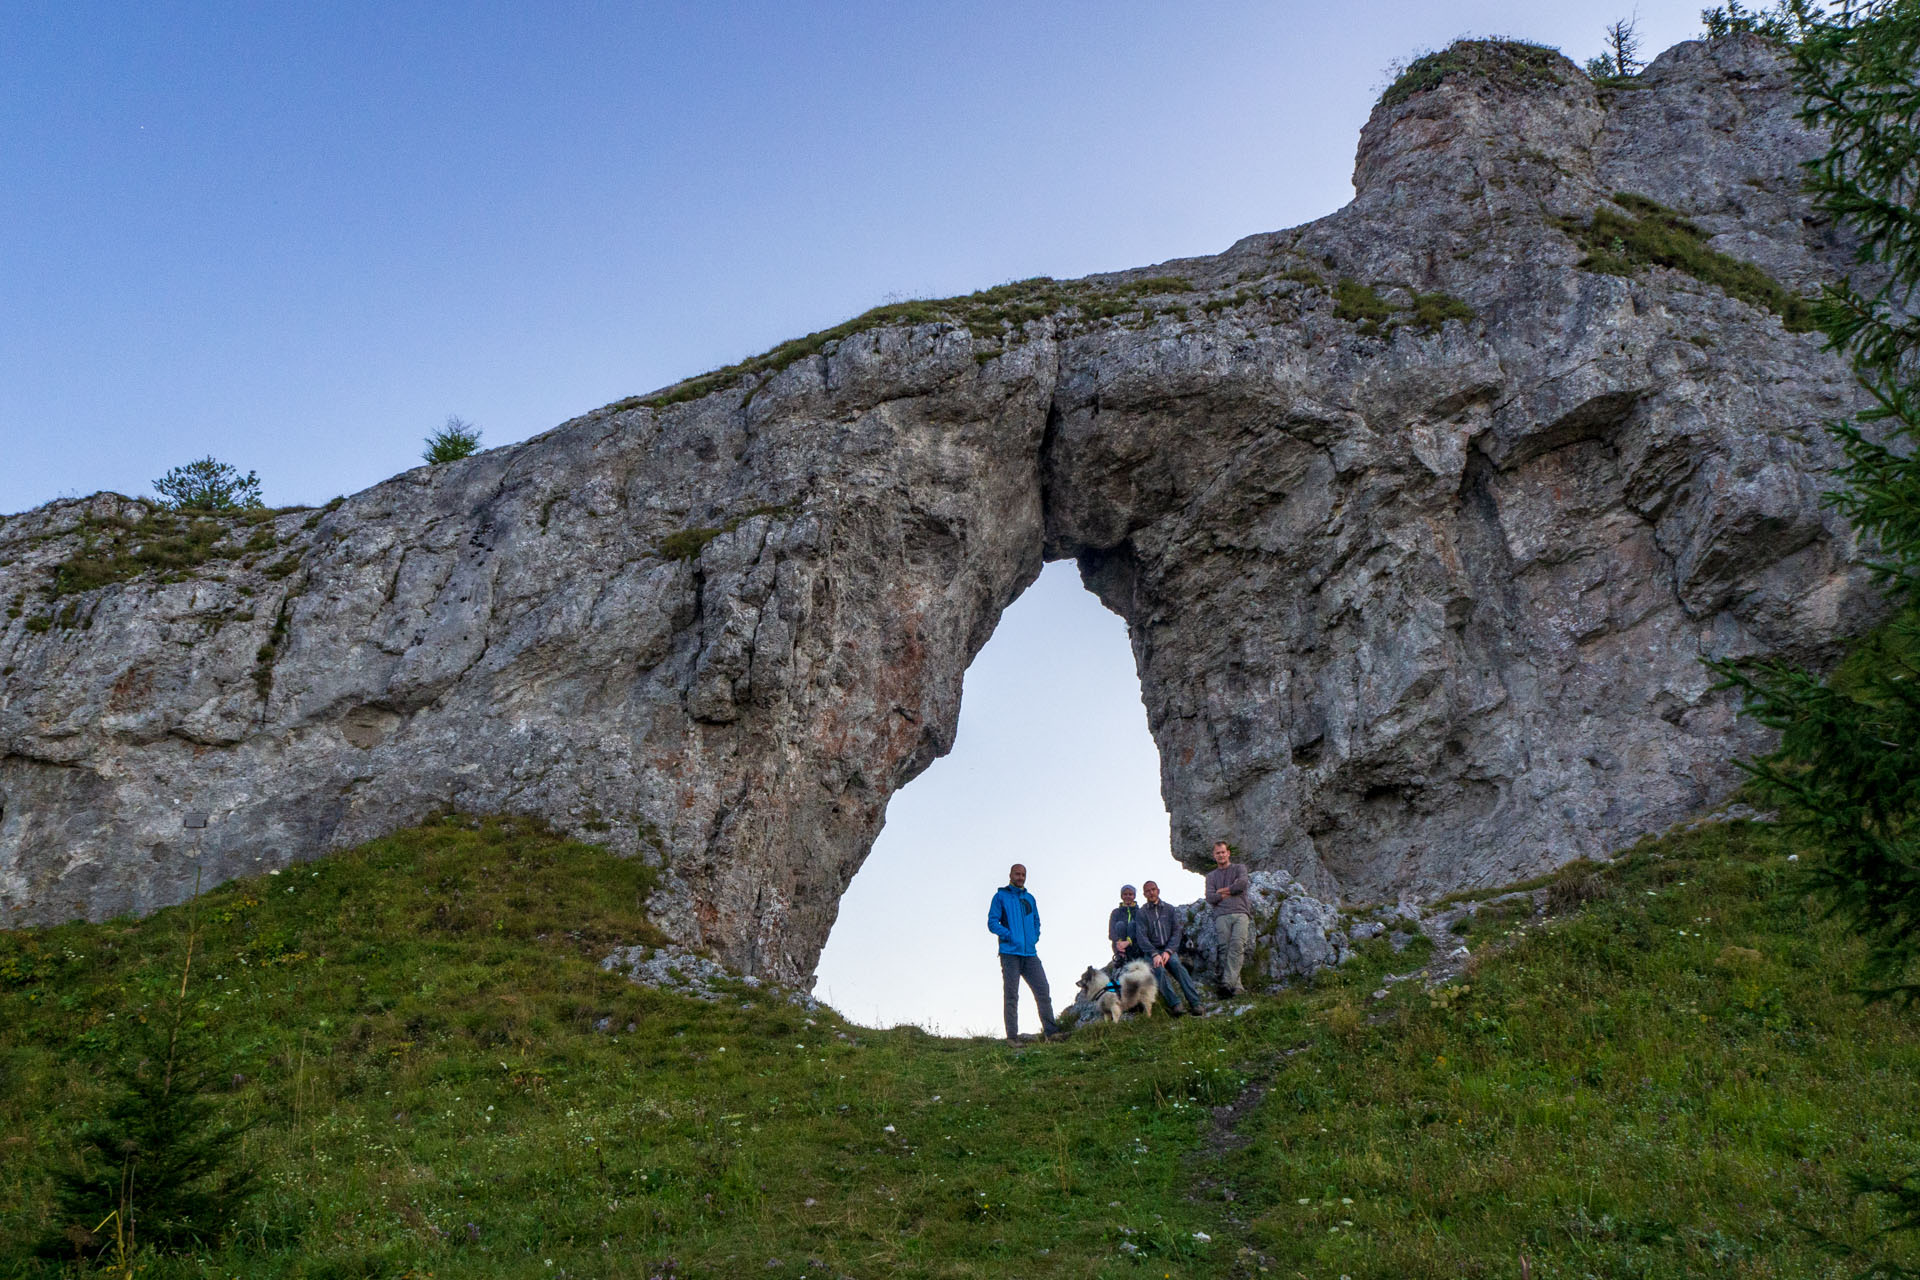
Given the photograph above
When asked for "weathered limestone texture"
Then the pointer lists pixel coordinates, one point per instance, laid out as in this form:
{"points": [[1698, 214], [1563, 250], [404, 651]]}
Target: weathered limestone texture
{"points": [[1418, 598]]}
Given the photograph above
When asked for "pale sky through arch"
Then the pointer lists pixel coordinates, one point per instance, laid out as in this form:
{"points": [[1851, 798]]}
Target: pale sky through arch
{"points": [[1052, 767], [298, 237]]}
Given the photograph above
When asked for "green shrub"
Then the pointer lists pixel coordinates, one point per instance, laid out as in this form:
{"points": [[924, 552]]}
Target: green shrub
{"points": [[207, 484], [456, 440]]}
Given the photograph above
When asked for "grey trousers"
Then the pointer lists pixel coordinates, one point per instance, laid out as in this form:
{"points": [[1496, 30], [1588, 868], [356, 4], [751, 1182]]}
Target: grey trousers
{"points": [[1014, 968], [1232, 931]]}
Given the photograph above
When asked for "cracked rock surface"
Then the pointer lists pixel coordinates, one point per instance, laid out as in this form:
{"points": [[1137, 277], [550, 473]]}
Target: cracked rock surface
{"points": [[1416, 605]]}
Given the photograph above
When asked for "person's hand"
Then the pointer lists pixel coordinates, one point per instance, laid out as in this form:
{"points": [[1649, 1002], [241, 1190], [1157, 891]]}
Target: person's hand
{"points": [[1160, 961]]}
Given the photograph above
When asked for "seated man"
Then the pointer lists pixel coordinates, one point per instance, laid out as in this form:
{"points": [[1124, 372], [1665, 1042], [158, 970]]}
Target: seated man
{"points": [[1120, 931], [1156, 938]]}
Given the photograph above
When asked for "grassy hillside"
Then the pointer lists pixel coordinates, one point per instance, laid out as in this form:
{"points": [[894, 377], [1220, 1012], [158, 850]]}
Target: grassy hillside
{"points": [[1667, 1080]]}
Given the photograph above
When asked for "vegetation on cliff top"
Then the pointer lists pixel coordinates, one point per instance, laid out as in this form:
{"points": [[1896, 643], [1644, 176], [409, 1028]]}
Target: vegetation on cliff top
{"points": [[171, 544], [1666, 1081], [1516, 65], [990, 313]]}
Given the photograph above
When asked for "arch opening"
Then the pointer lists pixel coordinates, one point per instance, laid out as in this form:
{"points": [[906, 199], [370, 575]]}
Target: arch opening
{"points": [[1052, 766]]}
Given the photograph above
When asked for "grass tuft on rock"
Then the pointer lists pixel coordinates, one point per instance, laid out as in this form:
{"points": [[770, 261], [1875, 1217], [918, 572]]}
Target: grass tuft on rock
{"points": [[1648, 234], [163, 542], [1362, 304], [995, 313]]}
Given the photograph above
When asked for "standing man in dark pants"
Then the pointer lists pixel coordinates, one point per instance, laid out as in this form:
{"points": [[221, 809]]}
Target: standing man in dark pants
{"points": [[1014, 918], [1120, 929], [1156, 935]]}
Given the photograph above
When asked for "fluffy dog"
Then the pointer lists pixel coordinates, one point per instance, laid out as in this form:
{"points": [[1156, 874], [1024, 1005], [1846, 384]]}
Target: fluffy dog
{"points": [[1113, 994]]}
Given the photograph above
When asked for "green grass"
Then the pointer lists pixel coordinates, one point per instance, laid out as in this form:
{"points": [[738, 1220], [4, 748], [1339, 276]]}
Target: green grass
{"points": [[1511, 64], [1359, 303], [1669, 1081], [1362, 304], [1651, 235], [166, 543]]}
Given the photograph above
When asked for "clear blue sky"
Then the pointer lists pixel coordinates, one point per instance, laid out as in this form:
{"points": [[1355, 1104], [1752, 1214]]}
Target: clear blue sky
{"points": [[298, 237]]}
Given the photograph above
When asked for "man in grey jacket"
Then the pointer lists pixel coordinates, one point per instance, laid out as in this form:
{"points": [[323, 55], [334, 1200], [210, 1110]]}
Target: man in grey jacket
{"points": [[1156, 939], [1227, 887]]}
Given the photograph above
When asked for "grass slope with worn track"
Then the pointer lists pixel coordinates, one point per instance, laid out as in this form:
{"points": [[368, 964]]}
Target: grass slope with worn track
{"points": [[1670, 1079]]}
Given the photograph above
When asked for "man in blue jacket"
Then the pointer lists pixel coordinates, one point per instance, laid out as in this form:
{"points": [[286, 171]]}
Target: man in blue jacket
{"points": [[1014, 918]]}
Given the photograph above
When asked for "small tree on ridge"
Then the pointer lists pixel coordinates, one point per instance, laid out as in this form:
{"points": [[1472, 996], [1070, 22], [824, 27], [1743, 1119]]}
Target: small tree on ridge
{"points": [[207, 484], [458, 439]]}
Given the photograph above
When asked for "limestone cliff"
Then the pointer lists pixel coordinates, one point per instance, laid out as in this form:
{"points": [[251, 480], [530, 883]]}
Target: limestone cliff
{"points": [[1421, 518]]}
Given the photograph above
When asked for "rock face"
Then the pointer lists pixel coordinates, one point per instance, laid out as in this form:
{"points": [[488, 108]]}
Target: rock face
{"points": [[1418, 585]]}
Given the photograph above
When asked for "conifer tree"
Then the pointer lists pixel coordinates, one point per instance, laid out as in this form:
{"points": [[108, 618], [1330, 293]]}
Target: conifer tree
{"points": [[1847, 772], [160, 1163], [1848, 769]]}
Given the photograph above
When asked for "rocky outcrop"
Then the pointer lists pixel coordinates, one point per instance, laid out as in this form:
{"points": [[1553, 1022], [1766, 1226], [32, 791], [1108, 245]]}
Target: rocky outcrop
{"points": [[1420, 528], [700, 977]]}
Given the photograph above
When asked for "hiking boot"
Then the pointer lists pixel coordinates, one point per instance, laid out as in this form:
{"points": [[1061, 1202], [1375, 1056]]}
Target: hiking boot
{"points": [[1175, 1011]]}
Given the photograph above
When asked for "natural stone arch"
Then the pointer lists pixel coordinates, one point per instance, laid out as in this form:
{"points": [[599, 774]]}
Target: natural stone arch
{"points": [[1417, 590]]}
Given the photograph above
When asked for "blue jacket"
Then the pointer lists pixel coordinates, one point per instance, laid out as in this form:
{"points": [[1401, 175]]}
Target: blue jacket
{"points": [[1014, 918]]}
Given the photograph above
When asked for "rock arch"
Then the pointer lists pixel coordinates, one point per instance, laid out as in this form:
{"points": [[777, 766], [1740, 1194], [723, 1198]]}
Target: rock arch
{"points": [[1419, 527]]}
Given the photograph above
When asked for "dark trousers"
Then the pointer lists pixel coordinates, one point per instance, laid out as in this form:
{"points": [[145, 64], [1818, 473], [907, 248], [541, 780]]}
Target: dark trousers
{"points": [[1014, 968], [1167, 974]]}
